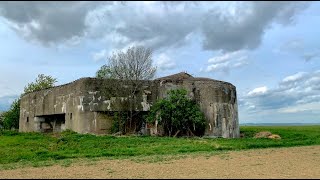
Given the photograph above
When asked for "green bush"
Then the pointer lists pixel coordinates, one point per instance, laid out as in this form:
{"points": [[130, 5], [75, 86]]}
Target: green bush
{"points": [[1, 120], [42, 82], [11, 117], [178, 114]]}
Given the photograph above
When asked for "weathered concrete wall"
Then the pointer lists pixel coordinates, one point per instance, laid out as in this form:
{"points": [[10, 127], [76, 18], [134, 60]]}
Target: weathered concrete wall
{"points": [[217, 100], [80, 102], [83, 104], [58, 100], [103, 95]]}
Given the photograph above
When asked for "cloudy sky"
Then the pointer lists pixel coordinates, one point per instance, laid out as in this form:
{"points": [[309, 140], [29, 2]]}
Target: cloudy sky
{"points": [[269, 50]]}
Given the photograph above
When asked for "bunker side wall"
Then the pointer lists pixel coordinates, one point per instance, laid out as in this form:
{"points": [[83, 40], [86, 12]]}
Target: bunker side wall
{"points": [[81, 101], [58, 100], [217, 100]]}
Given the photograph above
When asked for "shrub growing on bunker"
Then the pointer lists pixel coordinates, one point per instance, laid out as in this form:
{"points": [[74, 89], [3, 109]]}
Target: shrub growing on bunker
{"points": [[178, 115], [41, 82], [130, 68], [118, 123]]}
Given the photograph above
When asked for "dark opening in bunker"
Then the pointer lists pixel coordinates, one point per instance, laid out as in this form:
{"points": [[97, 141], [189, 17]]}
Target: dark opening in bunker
{"points": [[52, 123], [120, 121]]}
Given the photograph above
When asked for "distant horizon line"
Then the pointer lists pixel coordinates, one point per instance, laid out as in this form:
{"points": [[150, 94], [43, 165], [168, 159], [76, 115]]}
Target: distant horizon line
{"points": [[279, 124]]}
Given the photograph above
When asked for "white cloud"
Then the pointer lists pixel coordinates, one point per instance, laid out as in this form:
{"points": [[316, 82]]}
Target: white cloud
{"points": [[308, 56], [292, 45], [294, 77], [220, 66], [298, 47], [225, 57], [226, 61], [308, 99], [223, 26], [163, 62], [314, 106], [258, 91], [244, 28], [101, 55], [50, 22], [297, 92]]}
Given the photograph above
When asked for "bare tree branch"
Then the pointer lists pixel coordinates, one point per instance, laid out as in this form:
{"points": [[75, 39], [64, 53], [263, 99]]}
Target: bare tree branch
{"points": [[130, 68]]}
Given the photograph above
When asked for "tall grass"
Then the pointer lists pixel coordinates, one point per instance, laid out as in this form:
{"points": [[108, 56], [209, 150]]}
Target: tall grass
{"points": [[36, 147]]}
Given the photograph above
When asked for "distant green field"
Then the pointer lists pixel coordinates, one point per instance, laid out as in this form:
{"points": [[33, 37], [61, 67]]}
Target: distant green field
{"points": [[36, 147]]}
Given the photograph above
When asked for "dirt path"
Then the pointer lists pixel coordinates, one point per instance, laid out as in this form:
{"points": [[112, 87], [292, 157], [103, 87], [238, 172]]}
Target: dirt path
{"points": [[295, 162]]}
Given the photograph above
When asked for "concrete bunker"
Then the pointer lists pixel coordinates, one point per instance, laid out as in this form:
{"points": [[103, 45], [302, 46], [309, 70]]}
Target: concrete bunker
{"points": [[85, 106]]}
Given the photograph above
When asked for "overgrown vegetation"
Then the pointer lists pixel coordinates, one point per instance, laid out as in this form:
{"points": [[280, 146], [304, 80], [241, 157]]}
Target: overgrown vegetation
{"points": [[178, 114], [10, 118], [1, 120], [130, 69], [119, 122], [41, 82], [37, 148]]}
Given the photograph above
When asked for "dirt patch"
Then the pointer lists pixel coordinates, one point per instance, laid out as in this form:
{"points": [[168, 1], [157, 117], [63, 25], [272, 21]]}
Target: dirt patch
{"points": [[267, 134], [274, 136], [294, 162]]}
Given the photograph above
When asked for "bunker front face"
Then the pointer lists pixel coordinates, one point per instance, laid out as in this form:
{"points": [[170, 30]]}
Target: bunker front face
{"points": [[87, 105]]}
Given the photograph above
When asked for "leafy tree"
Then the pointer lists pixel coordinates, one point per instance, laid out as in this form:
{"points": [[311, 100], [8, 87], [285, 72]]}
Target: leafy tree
{"points": [[135, 64], [10, 118], [105, 72], [42, 82], [1, 119], [178, 114], [129, 68]]}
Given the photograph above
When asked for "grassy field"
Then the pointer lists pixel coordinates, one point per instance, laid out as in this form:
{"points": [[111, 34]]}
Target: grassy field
{"points": [[36, 148]]}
